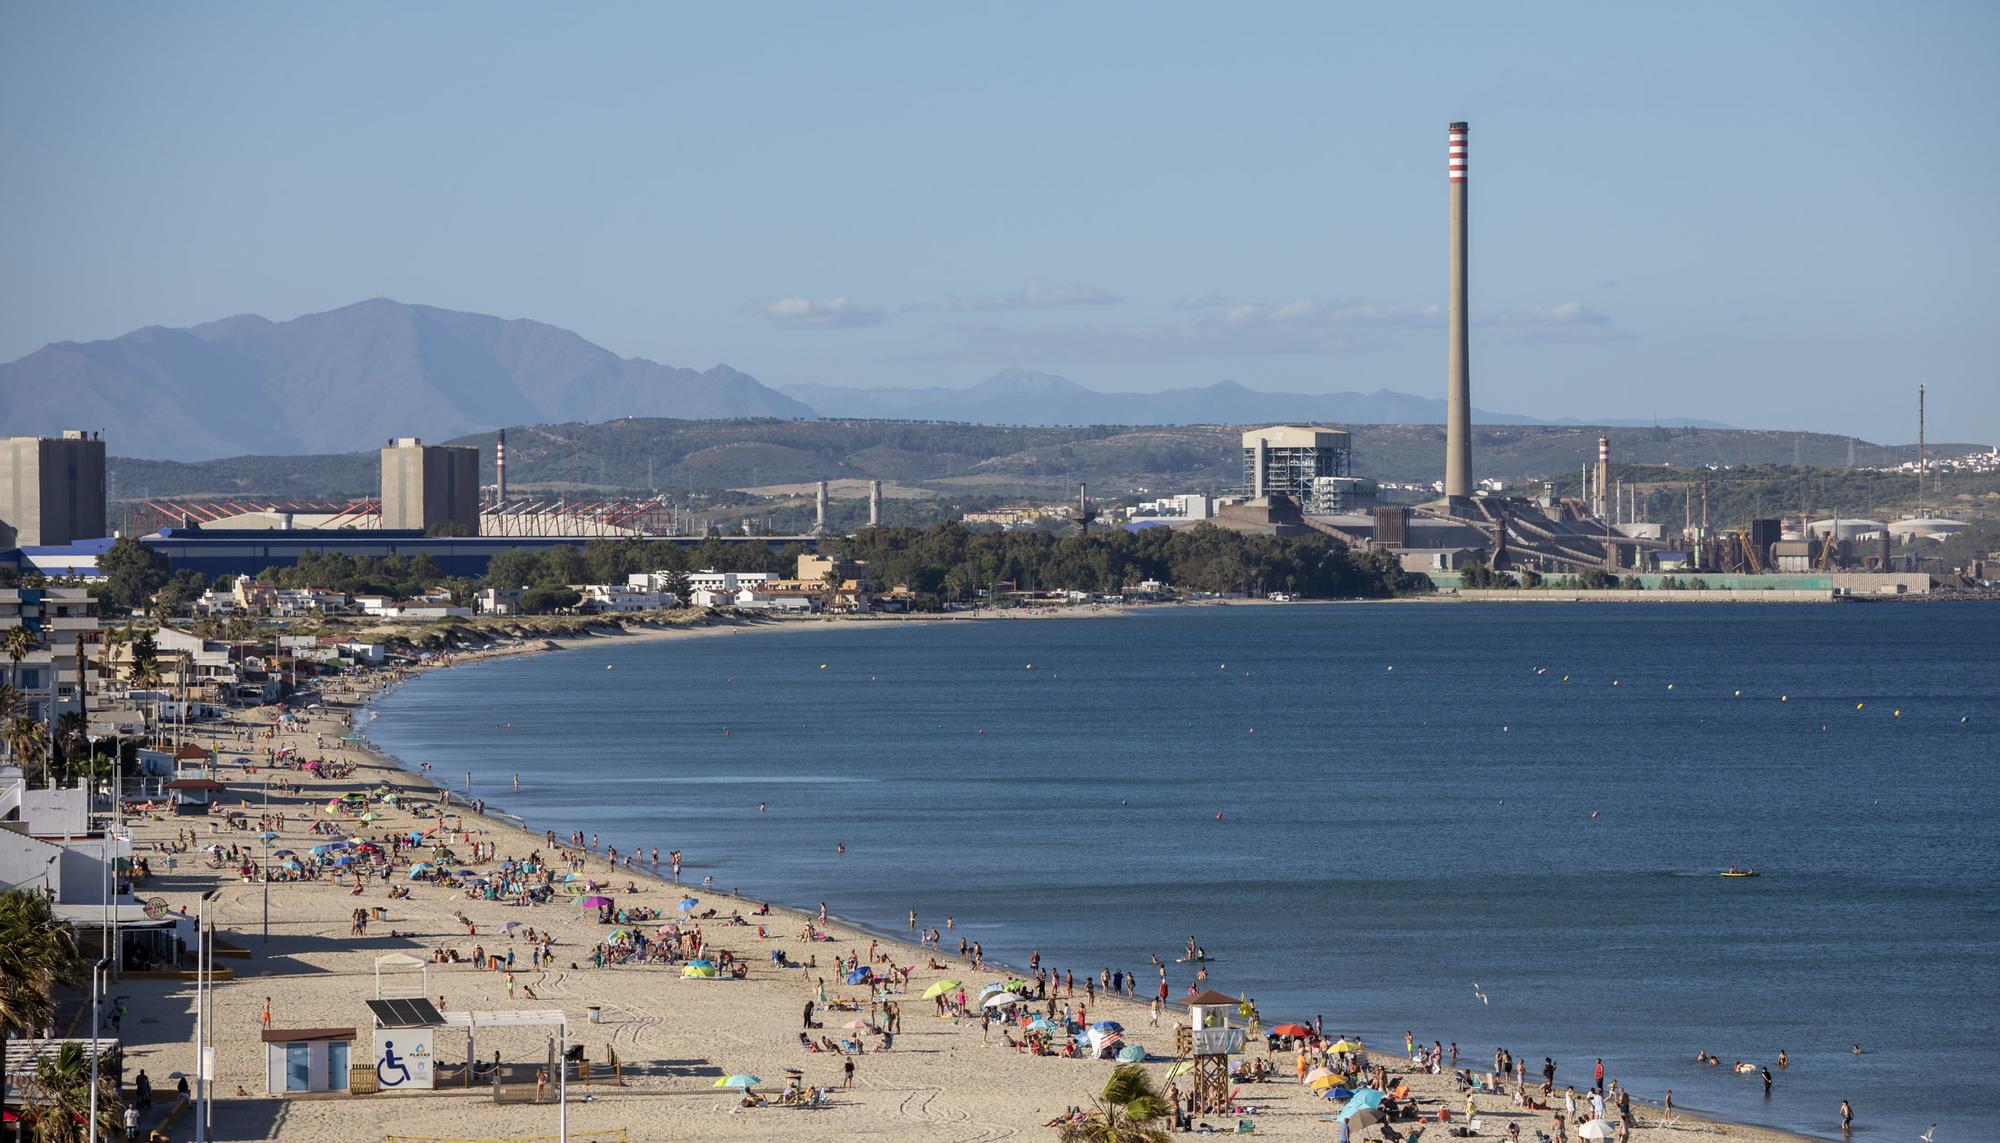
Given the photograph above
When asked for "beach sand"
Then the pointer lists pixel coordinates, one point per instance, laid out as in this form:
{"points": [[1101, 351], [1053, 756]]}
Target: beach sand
{"points": [[673, 1037]]}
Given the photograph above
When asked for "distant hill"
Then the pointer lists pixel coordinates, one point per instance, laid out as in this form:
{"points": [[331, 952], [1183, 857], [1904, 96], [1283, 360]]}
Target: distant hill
{"points": [[1024, 397], [349, 379], [957, 460]]}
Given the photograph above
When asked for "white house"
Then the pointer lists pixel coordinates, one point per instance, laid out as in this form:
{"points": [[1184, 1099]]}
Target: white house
{"points": [[622, 598]]}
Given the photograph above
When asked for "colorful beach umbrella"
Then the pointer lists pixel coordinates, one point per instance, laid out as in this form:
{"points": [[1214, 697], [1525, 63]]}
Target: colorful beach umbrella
{"points": [[1131, 1054], [939, 989], [267, 835], [1180, 1069], [1294, 1030], [1000, 1000], [595, 903], [1364, 1118], [1367, 1099], [1345, 1046], [689, 903], [738, 1081]]}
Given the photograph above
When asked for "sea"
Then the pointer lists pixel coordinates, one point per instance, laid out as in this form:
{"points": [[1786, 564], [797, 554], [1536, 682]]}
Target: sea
{"points": [[1488, 825]]}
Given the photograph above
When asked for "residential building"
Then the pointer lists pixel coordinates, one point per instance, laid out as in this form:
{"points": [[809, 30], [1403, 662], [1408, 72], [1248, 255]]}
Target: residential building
{"points": [[621, 598], [47, 676], [498, 601]]}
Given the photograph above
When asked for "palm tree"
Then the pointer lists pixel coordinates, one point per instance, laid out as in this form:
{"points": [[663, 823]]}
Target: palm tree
{"points": [[19, 643], [71, 737], [37, 954], [1124, 1112], [63, 1103], [28, 738]]}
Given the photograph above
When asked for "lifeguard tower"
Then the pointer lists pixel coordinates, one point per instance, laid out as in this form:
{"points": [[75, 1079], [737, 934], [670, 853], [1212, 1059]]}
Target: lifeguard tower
{"points": [[1208, 1039]]}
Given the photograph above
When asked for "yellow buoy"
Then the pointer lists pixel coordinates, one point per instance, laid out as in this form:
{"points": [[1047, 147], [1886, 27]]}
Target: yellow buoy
{"points": [[607, 666], [822, 666], [1857, 706]]}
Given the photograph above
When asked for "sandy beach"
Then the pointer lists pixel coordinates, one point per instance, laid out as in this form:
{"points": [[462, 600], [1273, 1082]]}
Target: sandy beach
{"points": [[942, 1078]]}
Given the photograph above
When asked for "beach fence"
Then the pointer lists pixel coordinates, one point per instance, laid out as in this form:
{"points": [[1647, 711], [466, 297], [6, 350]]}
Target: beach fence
{"points": [[613, 1135]]}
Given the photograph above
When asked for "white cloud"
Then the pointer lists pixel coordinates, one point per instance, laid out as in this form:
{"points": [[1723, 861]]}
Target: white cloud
{"points": [[1564, 321], [1035, 296], [821, 313]]}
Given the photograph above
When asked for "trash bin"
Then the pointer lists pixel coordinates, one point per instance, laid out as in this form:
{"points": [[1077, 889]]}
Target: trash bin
{"points": [[596, 1014]]}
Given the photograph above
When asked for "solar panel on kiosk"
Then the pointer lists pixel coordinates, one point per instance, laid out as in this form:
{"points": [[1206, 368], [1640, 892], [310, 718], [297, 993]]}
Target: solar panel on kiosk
{"points": [[413, 1012]]}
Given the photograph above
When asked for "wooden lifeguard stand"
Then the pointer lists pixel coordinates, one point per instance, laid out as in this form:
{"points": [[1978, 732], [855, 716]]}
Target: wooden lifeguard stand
{"points": [[1209, 1042]]}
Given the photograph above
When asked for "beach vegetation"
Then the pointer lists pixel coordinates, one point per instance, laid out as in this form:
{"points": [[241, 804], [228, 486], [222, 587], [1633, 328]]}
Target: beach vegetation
{"points": [[1125, 1112]]}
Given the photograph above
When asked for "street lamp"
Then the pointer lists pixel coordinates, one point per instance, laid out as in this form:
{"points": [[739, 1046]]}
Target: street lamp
{"points": [[266, 839], [204, 1019], [98, 972]]}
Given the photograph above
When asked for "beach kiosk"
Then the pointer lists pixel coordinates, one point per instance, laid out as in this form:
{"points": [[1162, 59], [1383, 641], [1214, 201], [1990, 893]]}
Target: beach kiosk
{"points": [[1210, 1042], [306, 1059]]}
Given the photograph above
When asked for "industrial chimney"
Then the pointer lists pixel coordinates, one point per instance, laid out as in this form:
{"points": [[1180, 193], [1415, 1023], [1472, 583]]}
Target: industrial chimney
{"points": [[874, 503], [1458, 371], [500, 468], [819, 515], [1603, 474]]}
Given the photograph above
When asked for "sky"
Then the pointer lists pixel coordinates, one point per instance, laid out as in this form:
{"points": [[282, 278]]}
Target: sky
{"points": [[1774, 215]]}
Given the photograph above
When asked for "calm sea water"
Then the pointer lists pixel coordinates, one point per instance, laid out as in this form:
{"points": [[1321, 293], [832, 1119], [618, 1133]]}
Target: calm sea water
{"points": [[1361, 810]]}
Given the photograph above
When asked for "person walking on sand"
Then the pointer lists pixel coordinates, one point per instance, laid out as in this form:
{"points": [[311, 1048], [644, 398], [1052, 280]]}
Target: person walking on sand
{"points": [[1600, 1075], [847, 1075]]}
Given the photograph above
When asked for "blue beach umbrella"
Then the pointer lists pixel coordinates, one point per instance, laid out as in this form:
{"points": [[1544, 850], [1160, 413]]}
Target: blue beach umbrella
{"points": [[859, 976], [990, 989], [1361, 1101], [1131, 1054], [689, 903], [1107, 1026], [1041, 1024], [283, 853], [267, 835]]}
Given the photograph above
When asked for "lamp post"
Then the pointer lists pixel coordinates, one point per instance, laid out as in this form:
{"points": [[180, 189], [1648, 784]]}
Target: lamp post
{"points": [[97, 974], [266, 839], [204, 1004]]}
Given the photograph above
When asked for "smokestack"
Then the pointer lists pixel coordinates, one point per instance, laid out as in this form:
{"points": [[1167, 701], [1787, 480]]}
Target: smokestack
{"points": [[874, 503], [819, 515], [1458, 368], [500, 468], [1603, 473]]}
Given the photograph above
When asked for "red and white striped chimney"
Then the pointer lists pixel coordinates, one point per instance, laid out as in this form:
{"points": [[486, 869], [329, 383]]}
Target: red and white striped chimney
{"points": [[500, 468], [1455, 153]]}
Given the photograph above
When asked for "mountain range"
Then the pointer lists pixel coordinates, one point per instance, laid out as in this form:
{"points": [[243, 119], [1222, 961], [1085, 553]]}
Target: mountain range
{"points": [[1024, 397], [353, 377]]}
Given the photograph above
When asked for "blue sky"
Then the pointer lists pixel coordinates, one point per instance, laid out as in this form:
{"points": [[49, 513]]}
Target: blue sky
{"points": [[1775, 215]]}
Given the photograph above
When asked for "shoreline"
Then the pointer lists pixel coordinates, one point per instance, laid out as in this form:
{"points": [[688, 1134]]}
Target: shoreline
{"points": [[942, 1080], [1695, 1119]]}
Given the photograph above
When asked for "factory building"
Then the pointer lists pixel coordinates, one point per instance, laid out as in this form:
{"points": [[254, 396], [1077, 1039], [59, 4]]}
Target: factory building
{"points": [[427, 486], [51, 490], [1314, 466]]}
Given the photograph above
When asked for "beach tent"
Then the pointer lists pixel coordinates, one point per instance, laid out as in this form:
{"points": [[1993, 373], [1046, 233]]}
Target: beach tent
{"points": [[696, 972]]}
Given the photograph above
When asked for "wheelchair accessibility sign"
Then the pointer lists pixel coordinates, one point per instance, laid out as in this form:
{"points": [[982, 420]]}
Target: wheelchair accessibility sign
{"points": [[403, 1058]]}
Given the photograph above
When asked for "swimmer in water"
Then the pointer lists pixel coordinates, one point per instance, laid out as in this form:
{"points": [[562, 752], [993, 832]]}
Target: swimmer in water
{"points": [[840, 847]]}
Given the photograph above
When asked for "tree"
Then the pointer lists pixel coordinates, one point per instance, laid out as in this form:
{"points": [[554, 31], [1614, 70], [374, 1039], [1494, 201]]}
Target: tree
{"points": [[145, 661], [546, 598], [180, 590], [28, 739], [132, 572], [38, 954], [62, 1095], [1124, 1113]]}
